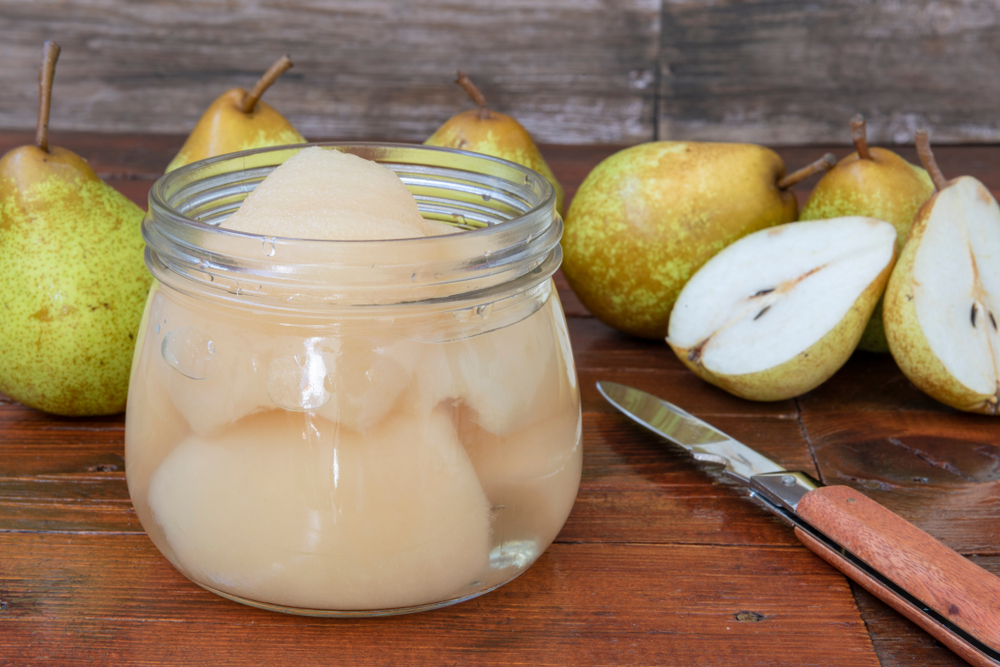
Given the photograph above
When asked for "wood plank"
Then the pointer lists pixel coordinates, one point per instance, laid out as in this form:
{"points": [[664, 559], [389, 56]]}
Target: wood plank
{"points": [[114, 598], [938, 471], [570, 72], [780, 72]]}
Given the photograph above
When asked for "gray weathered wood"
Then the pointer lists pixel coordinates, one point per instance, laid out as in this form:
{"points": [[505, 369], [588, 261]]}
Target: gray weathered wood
{"points": [[569, 71], [777, 72], [788, 72]]}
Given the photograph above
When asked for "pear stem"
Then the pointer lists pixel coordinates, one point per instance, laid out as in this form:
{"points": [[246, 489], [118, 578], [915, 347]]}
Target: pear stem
{"points": [[825, 163], [923, 141], [473, 92], [280, 66], [859, 134], [50, 54]]}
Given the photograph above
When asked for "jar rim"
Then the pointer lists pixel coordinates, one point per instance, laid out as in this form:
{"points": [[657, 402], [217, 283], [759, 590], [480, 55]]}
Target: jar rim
{"points": [[515, 210]]}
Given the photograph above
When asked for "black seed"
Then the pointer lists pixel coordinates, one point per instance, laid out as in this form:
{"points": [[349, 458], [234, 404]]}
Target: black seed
{"points": [[764, 291], [766, 308], [993, 320], [973, 316]]}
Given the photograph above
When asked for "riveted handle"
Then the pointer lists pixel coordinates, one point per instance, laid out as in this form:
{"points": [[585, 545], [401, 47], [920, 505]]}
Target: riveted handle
{"points": [[958, 591]]}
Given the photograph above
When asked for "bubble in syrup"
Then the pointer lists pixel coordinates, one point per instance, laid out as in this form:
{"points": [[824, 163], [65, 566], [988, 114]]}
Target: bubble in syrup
{"points": [[484, 310], [191, 352], [267, 246], [297, 382]]}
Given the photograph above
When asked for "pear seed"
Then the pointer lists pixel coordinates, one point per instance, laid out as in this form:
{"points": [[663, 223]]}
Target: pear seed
{"points": [[973, 316], [993, 321], [766, 308], [764, 291]]}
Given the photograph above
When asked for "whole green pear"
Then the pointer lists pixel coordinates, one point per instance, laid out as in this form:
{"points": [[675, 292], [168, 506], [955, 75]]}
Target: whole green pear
{"points": [[648, 217], [72, 279], [237, 121], [876, 183], [491, 133]]}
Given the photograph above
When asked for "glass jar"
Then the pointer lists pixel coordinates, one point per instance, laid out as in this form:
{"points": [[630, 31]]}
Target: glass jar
{"points": [[352, 428]]}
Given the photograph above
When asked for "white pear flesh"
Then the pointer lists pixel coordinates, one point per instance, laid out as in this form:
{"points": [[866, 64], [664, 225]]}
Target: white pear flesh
{"points": [[943, 301], [320, 193], [776, 313]]}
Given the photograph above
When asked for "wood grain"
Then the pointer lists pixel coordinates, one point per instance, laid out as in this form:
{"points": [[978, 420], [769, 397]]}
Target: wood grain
{"points": [[781, 72], [570, 72], [763, 71], [956, 588], [84, 598]]}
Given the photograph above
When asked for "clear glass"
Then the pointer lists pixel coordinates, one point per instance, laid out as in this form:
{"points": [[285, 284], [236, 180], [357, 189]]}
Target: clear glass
{"points": [[354, 428]]}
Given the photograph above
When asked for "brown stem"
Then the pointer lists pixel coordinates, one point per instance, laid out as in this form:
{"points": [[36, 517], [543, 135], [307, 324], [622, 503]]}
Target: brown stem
{"points": [[50, 54], [825, 163], [859, 133], [280, 66], [923, 141], [477, 97]]}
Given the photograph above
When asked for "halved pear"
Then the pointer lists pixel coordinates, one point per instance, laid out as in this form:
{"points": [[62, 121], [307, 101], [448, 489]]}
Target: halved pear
{"points": [[942, 305], [776, 313]]}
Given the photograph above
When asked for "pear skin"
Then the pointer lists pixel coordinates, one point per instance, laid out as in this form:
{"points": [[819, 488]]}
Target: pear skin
{"points": [[648, 217], [224, 128], [907, 342], [73, 282], [808, 369], [486, 131], [880, 185]]}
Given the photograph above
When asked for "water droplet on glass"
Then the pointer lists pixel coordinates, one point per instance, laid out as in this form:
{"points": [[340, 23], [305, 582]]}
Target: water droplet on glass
{"points": [[413, 277], [157, 328], [296, 382], [464, 315], [191, 352], [487, 197], [485, 310], [267, 246], [459, 218]]}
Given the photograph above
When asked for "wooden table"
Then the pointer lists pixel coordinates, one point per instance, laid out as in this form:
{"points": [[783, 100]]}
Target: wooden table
{"points": [[659, 563]]}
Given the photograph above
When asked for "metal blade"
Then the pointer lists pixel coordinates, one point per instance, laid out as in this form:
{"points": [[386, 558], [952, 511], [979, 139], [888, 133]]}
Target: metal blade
{"points": [[671, 422]]}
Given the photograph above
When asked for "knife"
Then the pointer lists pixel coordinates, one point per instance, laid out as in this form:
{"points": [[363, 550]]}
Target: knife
{"points": [[947, 595]]}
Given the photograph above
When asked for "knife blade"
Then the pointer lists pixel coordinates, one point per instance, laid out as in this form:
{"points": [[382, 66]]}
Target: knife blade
{"points": [[947, 595]]}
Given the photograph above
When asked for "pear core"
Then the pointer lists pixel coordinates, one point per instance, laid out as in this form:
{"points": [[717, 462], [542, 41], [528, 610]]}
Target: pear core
{"points": [[775, 303], [942, 312], [325, 194]]}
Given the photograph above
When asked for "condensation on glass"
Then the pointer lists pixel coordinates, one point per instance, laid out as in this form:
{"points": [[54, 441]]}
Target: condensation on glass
{"points": [[354, 428]]}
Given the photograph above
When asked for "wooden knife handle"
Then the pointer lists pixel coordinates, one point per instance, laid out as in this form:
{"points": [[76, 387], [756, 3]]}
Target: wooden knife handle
{"points": [[948, 583]]}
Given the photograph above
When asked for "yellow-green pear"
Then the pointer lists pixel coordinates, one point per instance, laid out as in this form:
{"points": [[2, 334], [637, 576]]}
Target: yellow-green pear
{"points": [[648, 217], [492, 133], [776, 313], [942, 305], [72, 277], [877, 183], [237, 121]]}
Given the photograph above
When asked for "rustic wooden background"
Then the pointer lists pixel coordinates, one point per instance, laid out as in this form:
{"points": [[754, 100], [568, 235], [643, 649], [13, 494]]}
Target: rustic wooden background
{"points": [[780, 72]]}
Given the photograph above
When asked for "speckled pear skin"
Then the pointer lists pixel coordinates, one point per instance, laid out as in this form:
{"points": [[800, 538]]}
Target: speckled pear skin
{"points": [[72, 284], [887, 187], [498, 135], [648, 217], [910, 348], [224, 128], [808, 369]]}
